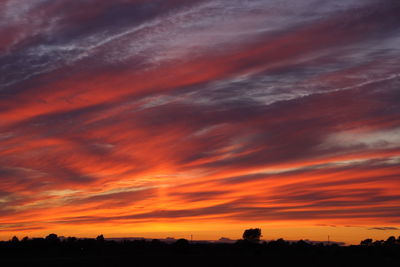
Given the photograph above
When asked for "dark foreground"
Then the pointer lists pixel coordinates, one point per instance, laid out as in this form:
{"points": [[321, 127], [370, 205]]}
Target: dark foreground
{"points": [[91, 252]]}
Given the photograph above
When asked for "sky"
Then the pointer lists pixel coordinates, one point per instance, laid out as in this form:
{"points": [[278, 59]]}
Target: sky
{"points": [[160, 118]]}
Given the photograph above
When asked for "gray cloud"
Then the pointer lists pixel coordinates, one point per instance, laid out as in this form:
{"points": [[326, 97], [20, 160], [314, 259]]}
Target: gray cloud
{"points": [[386, 228]]}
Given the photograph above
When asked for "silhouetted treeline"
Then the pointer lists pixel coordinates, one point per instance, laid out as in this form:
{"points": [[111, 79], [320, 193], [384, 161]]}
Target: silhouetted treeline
{"points": [[71, 251]]}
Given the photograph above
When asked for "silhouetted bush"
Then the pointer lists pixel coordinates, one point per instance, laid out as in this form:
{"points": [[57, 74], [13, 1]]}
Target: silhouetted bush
{"points": [[390, 241], [100, 238], [52, 238], [252, 234], [366, 242]]}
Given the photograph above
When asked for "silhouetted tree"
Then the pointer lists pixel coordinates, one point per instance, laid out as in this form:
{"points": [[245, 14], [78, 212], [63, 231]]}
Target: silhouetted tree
{"points": [[252, 234], [53, 238], [14, 239], [281, 242], [182, 242], [302, 244], [366, 242], [390, 241], [25, 239], [100, 238]]}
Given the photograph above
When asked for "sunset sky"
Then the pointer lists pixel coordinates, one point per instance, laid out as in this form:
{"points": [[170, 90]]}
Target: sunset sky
{"points": [[159, 118]]}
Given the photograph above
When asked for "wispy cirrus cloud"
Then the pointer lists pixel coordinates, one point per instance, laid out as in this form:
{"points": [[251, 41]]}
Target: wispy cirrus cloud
{"points": [[385, 228]]}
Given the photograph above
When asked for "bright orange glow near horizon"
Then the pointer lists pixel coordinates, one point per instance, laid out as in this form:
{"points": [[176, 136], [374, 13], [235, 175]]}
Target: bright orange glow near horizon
{"points": [[158, 119]]}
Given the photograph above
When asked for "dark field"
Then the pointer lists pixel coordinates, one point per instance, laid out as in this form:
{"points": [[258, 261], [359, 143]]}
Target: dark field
{"points": [[92, 252]]}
